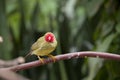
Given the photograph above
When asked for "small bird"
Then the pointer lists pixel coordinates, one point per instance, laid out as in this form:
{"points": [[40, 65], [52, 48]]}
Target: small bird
{"points": [[44, 46]]}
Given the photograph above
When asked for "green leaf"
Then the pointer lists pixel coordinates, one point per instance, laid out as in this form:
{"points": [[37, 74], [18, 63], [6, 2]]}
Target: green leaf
{"points": [[105, 44]]}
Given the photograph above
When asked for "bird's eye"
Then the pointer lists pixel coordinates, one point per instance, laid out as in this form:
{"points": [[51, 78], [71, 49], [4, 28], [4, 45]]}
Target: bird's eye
{"points": [[49, 38]]}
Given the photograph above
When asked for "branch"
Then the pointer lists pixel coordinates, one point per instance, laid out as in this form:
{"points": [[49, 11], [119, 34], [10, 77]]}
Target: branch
{"points": [[65, 57], [13, 62], [10, 75]]}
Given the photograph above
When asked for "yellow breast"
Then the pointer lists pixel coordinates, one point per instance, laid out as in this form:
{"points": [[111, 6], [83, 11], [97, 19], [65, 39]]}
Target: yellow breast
{"points": [[44, 48]]}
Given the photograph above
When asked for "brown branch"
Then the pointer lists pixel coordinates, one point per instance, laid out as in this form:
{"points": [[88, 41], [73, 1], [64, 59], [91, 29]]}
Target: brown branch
{"points": [[10, 75], [13, 62], [65, 57]]}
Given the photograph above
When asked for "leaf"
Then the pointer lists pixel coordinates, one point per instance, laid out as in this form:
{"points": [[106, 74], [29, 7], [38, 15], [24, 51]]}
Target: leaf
{"points": [[118, 28], [104, 45], [93, 6]]}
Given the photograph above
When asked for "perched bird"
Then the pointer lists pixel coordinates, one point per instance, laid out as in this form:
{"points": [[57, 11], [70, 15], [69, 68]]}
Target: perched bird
{"points": [[44, 46]]}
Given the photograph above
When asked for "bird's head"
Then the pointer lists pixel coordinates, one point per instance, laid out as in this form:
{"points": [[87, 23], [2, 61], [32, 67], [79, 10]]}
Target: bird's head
{"points": [[49, 37]]}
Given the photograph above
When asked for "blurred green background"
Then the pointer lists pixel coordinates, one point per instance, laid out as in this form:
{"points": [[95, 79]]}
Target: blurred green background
{"points": [[79, 25]]}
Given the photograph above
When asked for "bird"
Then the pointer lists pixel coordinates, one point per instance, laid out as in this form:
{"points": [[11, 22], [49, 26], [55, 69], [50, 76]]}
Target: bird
{"points": [[44, 46]]}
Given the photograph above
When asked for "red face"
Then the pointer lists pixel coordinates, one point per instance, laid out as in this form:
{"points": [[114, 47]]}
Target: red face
{"points": [[49, 37]]}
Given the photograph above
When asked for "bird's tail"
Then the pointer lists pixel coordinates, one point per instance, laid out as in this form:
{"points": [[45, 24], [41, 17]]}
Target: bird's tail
{"points": [[30, 53]]}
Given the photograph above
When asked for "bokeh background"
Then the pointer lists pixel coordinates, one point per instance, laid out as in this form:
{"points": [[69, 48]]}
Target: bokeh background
{"points": [[79, 25]]}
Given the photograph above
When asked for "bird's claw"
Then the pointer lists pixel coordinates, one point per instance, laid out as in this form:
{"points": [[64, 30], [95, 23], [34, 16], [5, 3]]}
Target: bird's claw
{"points": [[53, 58], [41, 60]]}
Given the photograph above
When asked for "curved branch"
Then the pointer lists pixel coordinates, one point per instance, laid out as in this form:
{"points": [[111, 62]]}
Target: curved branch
{"points": [[65, 57], [13, 62]]}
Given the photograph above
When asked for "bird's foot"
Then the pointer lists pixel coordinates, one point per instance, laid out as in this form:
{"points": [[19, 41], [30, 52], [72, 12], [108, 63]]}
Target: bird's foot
{"points": [[53, 57], [41, 60]]}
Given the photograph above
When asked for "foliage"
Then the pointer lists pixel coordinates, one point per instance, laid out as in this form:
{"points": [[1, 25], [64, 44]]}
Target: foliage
{"points": [[78, 24]]}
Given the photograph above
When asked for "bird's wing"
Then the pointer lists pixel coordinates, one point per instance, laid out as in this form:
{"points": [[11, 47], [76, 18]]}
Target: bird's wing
{"points": [[37, 44]]}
